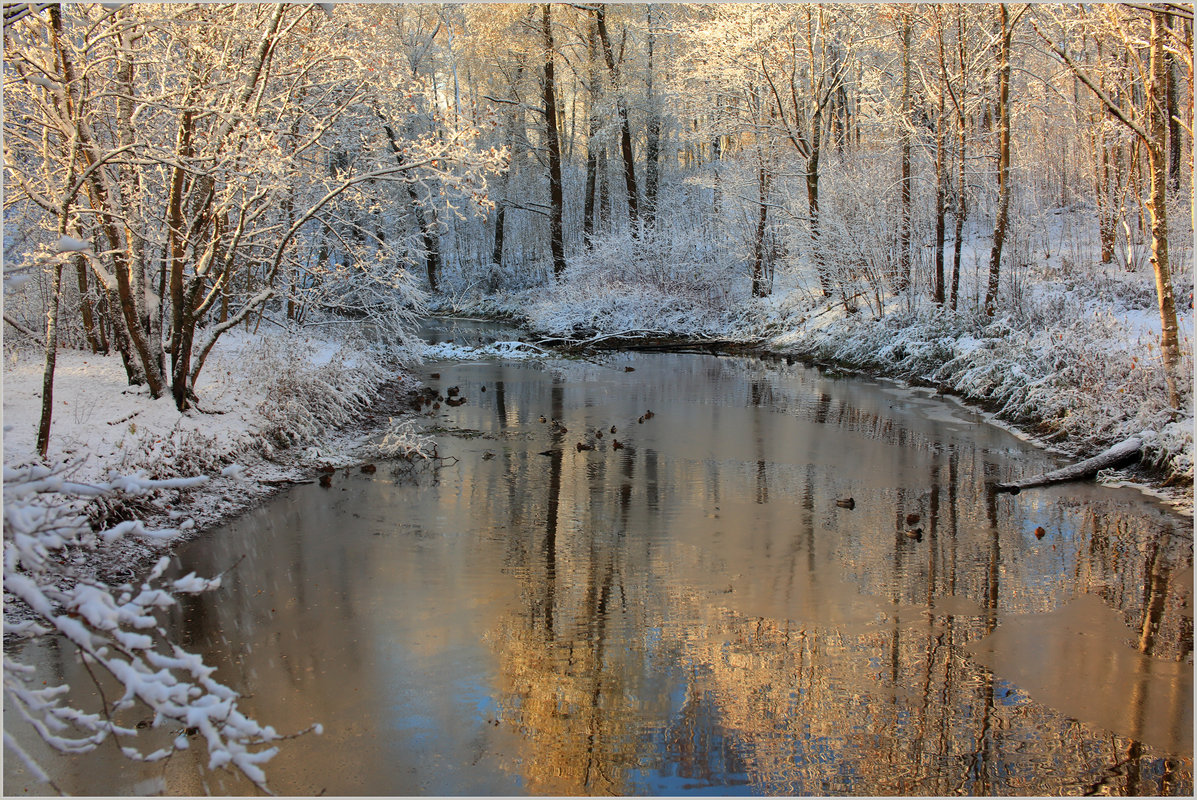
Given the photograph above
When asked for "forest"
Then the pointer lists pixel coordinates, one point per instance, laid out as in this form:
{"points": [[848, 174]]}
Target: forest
{"points": [[173, 172], [995, 200]]}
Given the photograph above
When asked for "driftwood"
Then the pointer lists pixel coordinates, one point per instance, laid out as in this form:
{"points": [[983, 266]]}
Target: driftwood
{"points": [[1120, 455], [638, 339]]}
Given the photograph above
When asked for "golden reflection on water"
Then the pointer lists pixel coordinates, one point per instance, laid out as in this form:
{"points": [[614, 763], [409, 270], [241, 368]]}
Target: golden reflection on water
{"points": [[823, 657], [693, 612]]}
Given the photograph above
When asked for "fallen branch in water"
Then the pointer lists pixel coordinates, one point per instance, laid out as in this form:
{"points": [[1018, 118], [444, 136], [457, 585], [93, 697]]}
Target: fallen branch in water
{"points": [[565, 342], [1120, 455], [639, 339]]}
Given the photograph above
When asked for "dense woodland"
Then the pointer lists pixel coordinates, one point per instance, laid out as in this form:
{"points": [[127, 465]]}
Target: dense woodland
{"points": [[173, 171]]}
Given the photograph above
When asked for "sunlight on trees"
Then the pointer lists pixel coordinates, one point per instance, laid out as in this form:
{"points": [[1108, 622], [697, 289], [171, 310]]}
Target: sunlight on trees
{"points": [[174, 171]]}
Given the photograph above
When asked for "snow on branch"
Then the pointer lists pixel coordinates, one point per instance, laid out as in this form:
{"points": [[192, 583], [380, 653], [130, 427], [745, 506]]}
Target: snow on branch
{"points": [[115, 630]]}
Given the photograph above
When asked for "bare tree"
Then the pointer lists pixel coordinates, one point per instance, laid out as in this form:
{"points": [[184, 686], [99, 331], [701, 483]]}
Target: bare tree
{"points": [[1148, 122], [553, 144]]}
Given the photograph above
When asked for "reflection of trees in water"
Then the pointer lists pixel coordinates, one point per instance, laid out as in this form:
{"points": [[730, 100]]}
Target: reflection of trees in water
{"points": [[620, 666], [807, 715], [562, 688], [893, 709], [1133, 561]]}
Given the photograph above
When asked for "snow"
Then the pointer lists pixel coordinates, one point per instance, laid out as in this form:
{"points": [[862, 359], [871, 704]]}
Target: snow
{"points": [[263, 400], [507, 350], [69, 244]]}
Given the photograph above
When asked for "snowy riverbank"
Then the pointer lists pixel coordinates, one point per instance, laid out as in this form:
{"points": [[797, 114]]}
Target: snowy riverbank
{"points": [[272, 409], [1075, 367]]}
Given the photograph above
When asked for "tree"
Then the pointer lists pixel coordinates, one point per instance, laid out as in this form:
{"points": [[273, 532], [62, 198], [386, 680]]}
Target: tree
{"points": [[553, 144], [938, 294], [625, 132], [786, 68], [1147, 121], [1005, 33], [902, 279], [652, 131], [216, 190]]}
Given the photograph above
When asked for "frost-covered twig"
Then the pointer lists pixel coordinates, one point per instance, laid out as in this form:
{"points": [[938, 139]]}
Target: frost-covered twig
{"points": [[22, 329], [115, 630], [402, 441]]}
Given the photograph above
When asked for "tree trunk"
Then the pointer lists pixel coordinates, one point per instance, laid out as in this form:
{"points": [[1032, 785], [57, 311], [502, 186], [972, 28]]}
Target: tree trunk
{"points": [[625, 132], [176, 234], [903, 280], [759, 284], [812, 203], [496, 253], [1107, 207], [961, 211], [43, 425], [1003, 114], [603, 215], [139, 363], [1173, 113], [937, 292], [961, 176], [592, 144], [1157, 130], [130, 182], [428, 234], [514, 123], [652, 137], [85, 309], [553, 143], [1120, 455]]}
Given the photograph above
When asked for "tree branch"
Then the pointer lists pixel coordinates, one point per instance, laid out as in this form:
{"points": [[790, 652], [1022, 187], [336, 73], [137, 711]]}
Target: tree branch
{"points": [[1086, 79]]}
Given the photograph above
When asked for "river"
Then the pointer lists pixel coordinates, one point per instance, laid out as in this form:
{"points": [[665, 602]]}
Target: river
{"points": [[696, 611]]}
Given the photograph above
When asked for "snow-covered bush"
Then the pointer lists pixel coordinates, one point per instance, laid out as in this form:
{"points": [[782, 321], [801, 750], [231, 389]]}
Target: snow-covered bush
{"points": [[664, 283], [114, 630], [1081, 381], [305, 404]]}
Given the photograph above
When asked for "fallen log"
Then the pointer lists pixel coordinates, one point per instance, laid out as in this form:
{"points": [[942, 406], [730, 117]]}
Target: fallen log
{"points": [[1120, 455], [646, 340]]}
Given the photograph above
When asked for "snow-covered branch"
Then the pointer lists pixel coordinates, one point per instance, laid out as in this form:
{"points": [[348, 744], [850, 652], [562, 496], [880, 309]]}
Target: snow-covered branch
{"points": [[115, 630]]}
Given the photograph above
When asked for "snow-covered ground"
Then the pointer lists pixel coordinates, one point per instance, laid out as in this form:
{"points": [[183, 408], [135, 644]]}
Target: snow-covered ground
{"points": [[272, 408]]}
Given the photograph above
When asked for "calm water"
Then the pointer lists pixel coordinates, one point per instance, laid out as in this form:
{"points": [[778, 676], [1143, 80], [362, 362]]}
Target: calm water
{"points": [[693, 612]]}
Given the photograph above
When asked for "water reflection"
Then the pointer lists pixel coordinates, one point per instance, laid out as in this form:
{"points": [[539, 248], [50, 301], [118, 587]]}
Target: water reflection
{"points": [[693, 612]]}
